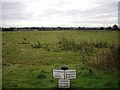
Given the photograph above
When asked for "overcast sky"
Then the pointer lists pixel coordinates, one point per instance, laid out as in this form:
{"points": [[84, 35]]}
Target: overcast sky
{"points": [[22, 13]]}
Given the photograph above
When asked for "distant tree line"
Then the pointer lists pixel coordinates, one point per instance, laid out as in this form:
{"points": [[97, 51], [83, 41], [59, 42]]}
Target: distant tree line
{"points": [[115, 27]]}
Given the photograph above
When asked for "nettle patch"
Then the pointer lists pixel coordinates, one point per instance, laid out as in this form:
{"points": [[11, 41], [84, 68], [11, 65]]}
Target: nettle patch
{"points": [[99, 54]]}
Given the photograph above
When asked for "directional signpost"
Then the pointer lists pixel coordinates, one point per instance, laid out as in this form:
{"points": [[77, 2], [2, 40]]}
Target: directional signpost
{"points": [[58, 73], [64, 76], [64, 83], [70, 74]]}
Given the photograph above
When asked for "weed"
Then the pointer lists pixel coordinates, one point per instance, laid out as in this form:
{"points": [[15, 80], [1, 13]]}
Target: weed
{"points": [[3, 43], [19, 43], [24, 38], [101, 44], [107, 59], [36, 45], [66, 44]]}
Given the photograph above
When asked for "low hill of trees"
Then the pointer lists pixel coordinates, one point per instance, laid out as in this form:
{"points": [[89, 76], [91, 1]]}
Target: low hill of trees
{"points": [[115, 27]]}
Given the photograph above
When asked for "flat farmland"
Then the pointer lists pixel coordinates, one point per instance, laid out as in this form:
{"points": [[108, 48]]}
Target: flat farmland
{"points": [[29, 57]]}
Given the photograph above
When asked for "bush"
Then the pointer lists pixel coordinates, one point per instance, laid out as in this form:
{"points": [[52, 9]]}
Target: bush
{"points": [[107, 59], [66, 44], [36, 45], [101, 44], [69, 44]]}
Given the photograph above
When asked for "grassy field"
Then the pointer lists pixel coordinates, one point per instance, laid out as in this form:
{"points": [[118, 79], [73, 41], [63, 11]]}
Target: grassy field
{"points": [[29, 57]]}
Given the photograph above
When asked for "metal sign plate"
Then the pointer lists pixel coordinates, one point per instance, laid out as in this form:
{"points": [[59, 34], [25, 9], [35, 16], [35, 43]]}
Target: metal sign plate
{"points": [[70, 74], [64, 83], [58, 73]]}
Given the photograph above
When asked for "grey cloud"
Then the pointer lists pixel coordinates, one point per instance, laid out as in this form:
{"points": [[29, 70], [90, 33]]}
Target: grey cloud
{"points": [[101, 14], [13, 10], [109, 8], [104, 10], [97, 21], [50, 13], [105, 13]]}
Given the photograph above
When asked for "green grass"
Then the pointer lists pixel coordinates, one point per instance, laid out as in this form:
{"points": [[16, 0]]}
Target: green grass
{"points": [[27, 67]]}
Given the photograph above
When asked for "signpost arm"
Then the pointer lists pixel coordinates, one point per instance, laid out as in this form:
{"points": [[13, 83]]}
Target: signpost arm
{"points": [[64, 74]]}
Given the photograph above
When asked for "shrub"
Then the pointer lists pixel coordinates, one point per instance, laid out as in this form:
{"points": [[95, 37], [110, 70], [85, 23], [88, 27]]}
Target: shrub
{"points": [[101, 44], [66, 44], [36, 45], [107, 59]]}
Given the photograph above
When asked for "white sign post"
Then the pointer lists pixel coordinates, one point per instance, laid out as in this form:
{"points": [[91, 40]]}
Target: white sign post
{"points": [[58, 73], [64, 83], [70, 74], [64, 77]]}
